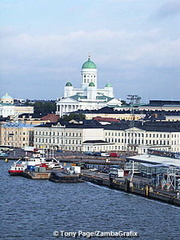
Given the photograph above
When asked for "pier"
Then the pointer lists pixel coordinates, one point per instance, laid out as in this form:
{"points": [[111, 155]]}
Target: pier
{"points": [[125, 185]]}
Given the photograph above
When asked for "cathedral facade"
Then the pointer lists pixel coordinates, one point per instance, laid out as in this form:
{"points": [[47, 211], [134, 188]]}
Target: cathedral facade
{"points": [[89, 96]]}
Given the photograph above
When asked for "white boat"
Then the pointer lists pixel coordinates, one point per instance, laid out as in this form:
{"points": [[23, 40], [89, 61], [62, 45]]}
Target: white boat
{"points": [[17, 168], [31, 162], [53, 163]]}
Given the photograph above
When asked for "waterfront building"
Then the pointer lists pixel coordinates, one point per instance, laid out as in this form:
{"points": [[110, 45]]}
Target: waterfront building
{"points": [[89, 96], [17, 134], [111, 137], [142, 136], [72, 137], [9, 109]]}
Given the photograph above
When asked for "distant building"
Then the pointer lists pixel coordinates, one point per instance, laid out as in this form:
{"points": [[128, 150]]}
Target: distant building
{"points": [[161, 105], [137, 115], [37, 119], [9, 109], [89, 96]]}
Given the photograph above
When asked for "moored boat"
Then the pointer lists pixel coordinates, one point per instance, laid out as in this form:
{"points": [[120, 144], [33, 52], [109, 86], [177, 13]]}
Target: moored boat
{"points": [[29, 164], [17, 168]]}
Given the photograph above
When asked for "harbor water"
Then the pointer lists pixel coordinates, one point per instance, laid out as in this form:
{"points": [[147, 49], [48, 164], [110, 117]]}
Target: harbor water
{"points": [[35, 209]]}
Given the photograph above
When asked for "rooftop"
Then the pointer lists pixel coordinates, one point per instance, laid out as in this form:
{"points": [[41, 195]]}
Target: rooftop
{"points": [[155, 160], [17, 125]]}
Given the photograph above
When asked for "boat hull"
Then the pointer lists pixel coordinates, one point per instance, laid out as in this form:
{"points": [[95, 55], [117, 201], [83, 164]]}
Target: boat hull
{"points": [[15, 172]]}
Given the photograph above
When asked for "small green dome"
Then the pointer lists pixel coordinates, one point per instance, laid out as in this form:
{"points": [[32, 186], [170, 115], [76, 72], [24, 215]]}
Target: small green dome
{"points": [[89, 64], [108, 85], [91, 84], [6, 96], [7, 99], [68, 84]]}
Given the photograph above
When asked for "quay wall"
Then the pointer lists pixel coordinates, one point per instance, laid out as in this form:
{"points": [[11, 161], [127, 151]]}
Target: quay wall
{"points": [[125, 186]]}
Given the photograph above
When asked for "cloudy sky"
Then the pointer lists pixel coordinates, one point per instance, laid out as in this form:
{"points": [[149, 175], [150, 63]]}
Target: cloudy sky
{"points": [[134, 43]]}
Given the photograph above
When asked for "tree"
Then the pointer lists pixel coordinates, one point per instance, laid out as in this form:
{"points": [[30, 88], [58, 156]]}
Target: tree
{"points": [[43, 107], [75, 116]]}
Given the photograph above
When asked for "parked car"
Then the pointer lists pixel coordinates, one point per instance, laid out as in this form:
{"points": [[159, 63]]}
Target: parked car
{"points": [[105, 154], [59, 150], [97, 154], [89, 153], [114, 155]]}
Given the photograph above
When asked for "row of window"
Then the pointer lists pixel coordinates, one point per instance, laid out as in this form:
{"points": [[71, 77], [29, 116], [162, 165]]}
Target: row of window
{"points": [[15, 139], [125, 134], [65, 134], [89, 75], [16, 144], [140, 141], [15, 133], [57, 141]]}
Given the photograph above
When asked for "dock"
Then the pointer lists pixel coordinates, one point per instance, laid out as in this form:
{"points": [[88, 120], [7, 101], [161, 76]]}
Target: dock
{"points": [[36, 175], [124, 184]]}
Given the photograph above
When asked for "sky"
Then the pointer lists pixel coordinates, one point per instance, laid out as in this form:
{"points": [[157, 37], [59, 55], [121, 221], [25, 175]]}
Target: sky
{"points": [[134, 43]]}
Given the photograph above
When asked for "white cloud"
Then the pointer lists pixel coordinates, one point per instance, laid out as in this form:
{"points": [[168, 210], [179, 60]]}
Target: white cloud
{"points": [[131, 46], [119, 54]]}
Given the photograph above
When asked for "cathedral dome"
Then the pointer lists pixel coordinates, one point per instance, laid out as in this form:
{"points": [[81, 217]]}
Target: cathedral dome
{"points": [[91, 84], [108, 85], [7, 99], [89, 64], [68, 84]]}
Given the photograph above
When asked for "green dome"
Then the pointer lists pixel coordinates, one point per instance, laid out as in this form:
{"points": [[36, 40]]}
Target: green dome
{"points": [[89, 64], [91, 84], [68, 84], [6, 97], [108, 85]]}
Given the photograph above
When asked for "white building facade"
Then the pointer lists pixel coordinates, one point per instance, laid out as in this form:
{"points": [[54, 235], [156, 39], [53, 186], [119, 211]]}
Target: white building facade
{"points": [[8, 109], [89, 96], [139, 140], [65, 138], [83, 138]]}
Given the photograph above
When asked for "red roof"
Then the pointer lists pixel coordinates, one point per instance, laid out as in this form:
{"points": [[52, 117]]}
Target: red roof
{"points": [[51, 117]]}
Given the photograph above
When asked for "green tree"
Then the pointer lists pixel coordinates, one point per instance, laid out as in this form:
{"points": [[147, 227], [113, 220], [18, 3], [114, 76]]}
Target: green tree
{"points": [[43, 107], [75, 116]]}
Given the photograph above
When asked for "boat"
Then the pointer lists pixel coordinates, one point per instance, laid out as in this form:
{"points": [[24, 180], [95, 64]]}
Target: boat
{"points": [[30, 163], [3, 154], [53, 163], [17, 168]]}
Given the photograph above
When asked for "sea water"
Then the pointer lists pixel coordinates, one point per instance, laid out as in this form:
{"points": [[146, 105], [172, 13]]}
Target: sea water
{"points": [[43, 210]]}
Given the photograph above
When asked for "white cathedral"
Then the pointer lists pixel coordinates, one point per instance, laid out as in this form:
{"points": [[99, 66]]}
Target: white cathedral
{"points": [[88, 96]]}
